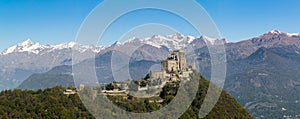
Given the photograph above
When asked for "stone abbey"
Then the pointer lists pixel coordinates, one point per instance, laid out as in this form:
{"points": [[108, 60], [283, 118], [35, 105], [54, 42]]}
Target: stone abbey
{"points": [[174, 68]]}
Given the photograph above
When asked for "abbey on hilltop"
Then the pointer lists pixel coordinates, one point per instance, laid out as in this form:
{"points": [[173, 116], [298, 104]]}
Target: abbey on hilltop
{"points": [[173, 69]]}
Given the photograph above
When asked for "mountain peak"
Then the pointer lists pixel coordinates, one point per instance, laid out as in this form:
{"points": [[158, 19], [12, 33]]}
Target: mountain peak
{"points": [[26, 42], [273, 33], [117, 43], [276, 32], [65, 45], [26, 45], [72, 44], [176, 36]]}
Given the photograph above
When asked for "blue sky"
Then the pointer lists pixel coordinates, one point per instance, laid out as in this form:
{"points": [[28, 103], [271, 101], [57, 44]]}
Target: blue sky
{"points": [[57, 21]]}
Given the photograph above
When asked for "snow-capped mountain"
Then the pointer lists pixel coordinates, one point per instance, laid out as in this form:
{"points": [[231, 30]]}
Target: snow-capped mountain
{"points": [[160, 45], [173, 41], [26, 46], [27, 57], [156, 47], [20, 61], [269, 39], [38, 49], [275, 38], [277, 32]]}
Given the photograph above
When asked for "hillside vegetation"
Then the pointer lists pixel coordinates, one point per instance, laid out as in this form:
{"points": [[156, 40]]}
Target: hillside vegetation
{"points": [[51, 103]]}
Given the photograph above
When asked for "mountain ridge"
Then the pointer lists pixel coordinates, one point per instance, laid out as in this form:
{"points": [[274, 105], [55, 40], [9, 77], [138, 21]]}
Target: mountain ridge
{"points": [[36, 48], [44, 57]]}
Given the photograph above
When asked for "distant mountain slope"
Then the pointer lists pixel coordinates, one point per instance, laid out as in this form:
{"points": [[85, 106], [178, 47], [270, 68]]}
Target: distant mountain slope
{"points": [[262, 73], [268, 82], [226, 107], [265, 81], [60, 75]]}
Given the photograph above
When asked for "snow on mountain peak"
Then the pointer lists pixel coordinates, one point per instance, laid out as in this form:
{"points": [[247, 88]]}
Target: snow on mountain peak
{"points": [[78, 47], [176, 36], [288, 34], [72, 44], [36, 48], [293, 34], [9, 50], [275, 32], [272, 33], [208, 39], [117, 43], [25, 46], [214, 41], [65, 45], [26, 42], [174, 41]]}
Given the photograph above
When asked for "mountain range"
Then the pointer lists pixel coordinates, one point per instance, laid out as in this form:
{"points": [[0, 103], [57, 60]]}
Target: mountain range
{"points": [[262, 72], [20, 61]]}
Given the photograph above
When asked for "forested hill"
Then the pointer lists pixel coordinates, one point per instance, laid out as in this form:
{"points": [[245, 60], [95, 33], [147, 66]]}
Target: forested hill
{"points": [[41, 104], [51, 103]]}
